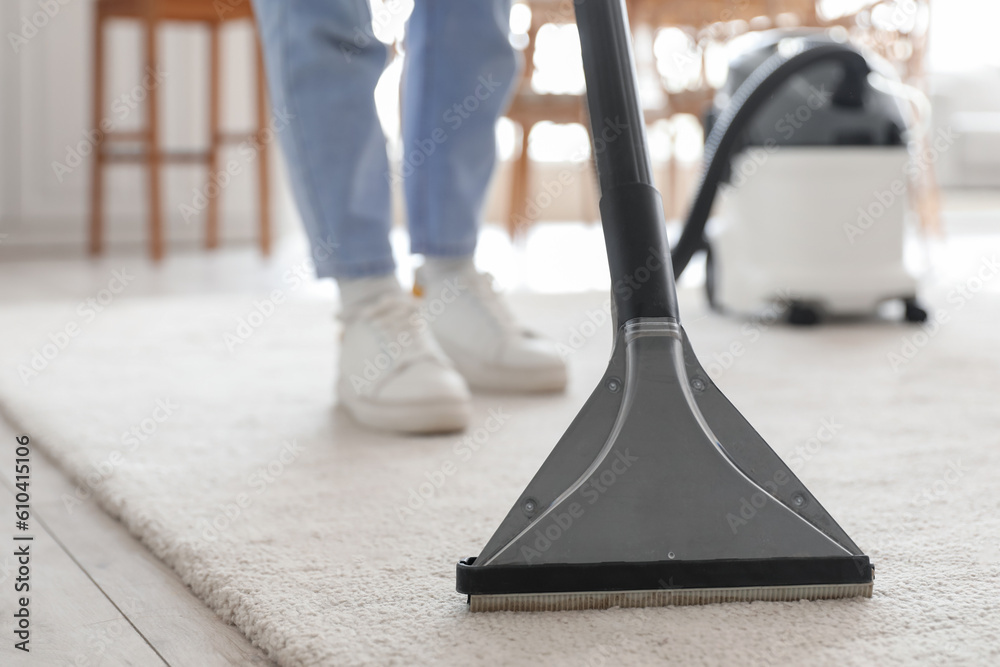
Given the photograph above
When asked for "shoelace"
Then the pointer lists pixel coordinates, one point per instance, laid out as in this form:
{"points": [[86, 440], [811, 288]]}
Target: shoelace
{"points": [[482, 284], [391, 317]]}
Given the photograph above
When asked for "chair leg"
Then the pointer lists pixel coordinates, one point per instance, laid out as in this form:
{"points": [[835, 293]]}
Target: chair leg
{"points": [[153, 153], [517, 222], [263, 161], [96, 244], [673, 177], [214, 123]]}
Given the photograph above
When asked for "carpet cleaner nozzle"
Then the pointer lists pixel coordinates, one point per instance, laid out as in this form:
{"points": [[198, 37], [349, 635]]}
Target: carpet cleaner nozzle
{"points": [[659, 492]]}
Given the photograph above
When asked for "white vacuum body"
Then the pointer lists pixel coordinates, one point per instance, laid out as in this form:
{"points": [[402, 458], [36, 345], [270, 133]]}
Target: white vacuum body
{"points": [[821, 227]]}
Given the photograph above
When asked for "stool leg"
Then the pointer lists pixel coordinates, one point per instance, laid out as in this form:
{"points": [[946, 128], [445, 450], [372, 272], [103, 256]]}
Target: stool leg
{"points": [[214, 123], [674, 176], [97, 174], [517, 223], [263, 162], [153, 153]]}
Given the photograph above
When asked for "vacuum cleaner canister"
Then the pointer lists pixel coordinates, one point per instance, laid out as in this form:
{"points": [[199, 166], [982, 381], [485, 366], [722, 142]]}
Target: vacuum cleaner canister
{"points": [[659, 492], [815, 202]]}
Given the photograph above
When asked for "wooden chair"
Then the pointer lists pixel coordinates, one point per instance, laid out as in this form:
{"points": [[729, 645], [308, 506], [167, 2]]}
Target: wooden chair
{"points": [[527, 108], [151, 14]]}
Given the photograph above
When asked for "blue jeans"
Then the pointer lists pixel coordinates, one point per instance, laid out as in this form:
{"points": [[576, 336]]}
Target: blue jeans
{"points": [[323, 62]]}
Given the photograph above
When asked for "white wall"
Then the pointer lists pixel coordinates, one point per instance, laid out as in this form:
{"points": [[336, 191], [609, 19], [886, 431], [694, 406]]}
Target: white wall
{"points": [[968, 104], [46, 108], [9, 174]]}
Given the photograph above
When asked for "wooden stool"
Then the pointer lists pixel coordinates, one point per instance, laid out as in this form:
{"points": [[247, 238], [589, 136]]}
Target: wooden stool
{"points": [[527, 108], [151, 13]]}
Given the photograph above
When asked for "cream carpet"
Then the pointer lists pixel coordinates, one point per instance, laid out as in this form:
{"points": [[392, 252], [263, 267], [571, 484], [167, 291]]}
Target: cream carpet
{"points": [[311, 535]]}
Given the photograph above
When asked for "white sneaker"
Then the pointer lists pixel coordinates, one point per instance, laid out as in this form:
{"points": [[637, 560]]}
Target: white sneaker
{"points": [[479, 334], [394, 376]]}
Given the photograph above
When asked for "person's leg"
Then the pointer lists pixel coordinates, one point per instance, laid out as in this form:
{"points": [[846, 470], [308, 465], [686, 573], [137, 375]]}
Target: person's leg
{"points": [[323, 64], [459, 70]]}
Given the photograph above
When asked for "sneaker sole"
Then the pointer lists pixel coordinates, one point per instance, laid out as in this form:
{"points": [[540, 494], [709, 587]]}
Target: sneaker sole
{"points": [[419, 418]]}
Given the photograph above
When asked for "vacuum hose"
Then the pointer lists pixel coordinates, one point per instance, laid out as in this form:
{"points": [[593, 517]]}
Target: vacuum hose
{"points": [[759, 87], [642, 281]]}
